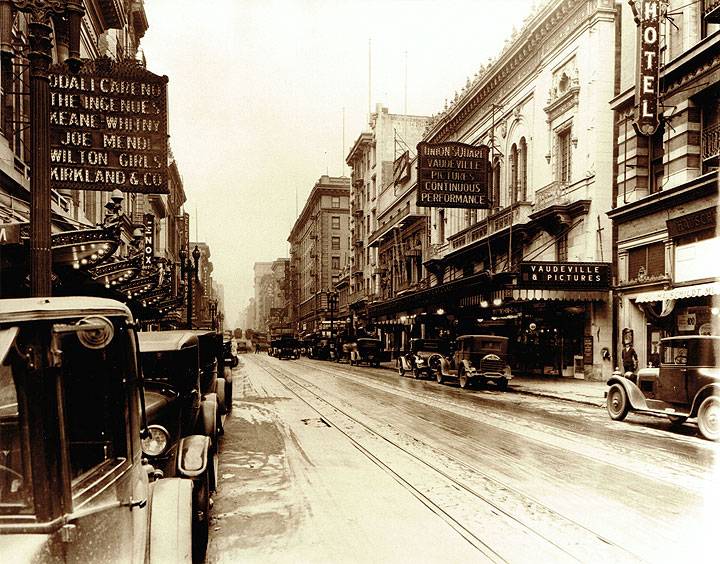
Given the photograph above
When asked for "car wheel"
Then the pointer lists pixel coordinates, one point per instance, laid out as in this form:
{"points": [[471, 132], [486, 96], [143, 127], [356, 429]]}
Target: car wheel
{"points": [[708, 418], [201, 518], [401, 368], [502, 384], [416, 373], [463, 380], [439, 375], [617, 403]]}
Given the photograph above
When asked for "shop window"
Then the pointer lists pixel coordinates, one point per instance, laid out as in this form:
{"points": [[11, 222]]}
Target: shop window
{"points": [[646, 262], [336, 263], [562, 248], [335, 202], [335, 222], [656, 152]]}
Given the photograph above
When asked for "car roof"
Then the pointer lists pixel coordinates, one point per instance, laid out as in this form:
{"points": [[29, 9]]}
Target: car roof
{"points": [[27, 309], [174, 340]]}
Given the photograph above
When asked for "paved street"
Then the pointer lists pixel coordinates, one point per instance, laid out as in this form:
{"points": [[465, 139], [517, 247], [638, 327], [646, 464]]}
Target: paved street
{"points": [[323, 462]]}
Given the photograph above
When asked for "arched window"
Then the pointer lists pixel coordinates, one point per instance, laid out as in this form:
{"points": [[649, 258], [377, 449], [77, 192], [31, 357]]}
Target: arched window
{"points": [[513, 188], [522, 171]]}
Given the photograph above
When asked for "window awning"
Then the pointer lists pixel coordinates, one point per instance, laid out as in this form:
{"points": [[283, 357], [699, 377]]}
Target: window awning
{"points": [[561, 295], [695, 291]]}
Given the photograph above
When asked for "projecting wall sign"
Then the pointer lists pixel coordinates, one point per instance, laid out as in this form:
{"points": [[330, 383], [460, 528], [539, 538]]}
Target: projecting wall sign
{"points": [[108, 128], [453, 175], [648, 64]]}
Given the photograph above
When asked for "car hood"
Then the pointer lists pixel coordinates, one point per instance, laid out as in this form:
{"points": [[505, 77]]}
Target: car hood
{"points": [[155, 402], [26, 547]]}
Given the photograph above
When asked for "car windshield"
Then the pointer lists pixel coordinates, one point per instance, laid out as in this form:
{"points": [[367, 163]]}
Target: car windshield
{"points": [[484, 346], [170, 367], [15, 485]]}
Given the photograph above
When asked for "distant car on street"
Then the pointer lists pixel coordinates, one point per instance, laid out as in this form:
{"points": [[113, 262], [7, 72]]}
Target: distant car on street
{"points": [[685, 385]]}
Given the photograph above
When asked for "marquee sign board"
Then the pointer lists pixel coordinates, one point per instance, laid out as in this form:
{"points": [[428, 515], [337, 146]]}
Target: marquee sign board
{"points": [[648, 65], [453, 175], [565, 275], [108, 128]]}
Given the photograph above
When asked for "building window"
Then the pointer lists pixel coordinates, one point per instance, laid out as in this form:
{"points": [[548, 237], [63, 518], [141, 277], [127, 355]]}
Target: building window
{"points": [[646, 261], [562, 248], [513, 173], [656, 152], [335, 263], [495, 195], [335, 222], [335, 243], [564, 161], [335, 202], [522, 171], [710, 136]]}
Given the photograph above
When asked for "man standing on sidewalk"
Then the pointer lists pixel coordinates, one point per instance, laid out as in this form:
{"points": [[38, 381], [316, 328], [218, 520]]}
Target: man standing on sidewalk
{"points": [[629, 358]]}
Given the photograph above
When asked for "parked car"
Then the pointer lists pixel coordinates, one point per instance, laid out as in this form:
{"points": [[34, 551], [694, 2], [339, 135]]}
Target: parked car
{"points": [[477, 359], [75, 485], [367, 350], [424, 357], [686, 385], [179, 416], [321, 349], [230, 357], [288, 347], [212, 375]]}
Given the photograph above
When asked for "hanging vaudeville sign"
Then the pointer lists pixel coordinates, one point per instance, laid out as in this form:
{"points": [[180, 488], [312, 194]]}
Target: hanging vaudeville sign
{"points": [[108, 128], [453, 175], [648, 64]]}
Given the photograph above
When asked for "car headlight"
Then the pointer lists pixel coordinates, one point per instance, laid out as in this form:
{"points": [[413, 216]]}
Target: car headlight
{"points": [[156, 443], [419, 360]]}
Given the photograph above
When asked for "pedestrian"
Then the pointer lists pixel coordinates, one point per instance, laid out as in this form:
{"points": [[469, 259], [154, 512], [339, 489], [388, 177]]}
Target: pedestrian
{"points": [[629, 358], [257, 348]]}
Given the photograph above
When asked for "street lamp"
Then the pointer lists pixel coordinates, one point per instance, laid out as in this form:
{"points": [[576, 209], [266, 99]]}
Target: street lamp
{"points": [[189, 270], [66, 15]]}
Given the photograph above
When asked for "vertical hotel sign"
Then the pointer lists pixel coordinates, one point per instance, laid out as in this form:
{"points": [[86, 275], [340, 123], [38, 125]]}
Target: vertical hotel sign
{"points": [[648, 64], [108, 128], [453, 175]]}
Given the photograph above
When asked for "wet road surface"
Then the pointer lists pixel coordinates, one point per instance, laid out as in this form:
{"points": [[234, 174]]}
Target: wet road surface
{"points": [[329, 463]]}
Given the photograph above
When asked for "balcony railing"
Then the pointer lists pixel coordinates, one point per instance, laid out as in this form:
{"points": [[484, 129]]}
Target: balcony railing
{"points": [[553, 194], [711, 11], [711, 139]]}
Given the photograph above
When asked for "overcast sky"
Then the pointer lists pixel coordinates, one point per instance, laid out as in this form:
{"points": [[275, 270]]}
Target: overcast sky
{"points": [[266, 96]]}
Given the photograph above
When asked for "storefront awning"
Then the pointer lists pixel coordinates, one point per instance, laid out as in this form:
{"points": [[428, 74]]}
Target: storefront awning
{"points": [[560, 295], [695, 291]]}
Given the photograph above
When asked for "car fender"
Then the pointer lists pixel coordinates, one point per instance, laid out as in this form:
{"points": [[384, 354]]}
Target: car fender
{"points": [[634, 395], [170, 534], [227, 374], [704, 392], [192, 459], [444, 365], [220, 388], [208, 417]]}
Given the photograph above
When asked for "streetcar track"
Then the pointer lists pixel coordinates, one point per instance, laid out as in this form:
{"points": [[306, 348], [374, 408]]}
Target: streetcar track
{"points": [[564, 532], [541, 434]]}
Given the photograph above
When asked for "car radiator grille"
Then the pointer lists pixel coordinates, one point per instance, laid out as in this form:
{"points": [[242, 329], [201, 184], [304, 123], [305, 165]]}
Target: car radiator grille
{"points": [[488, 365]]}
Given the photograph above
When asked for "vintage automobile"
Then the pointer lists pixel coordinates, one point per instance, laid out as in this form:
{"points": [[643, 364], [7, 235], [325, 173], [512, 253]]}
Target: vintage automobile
{"points": [[321, 349], [686, 385], [424, 357], [177, 413], [230, 357], [288, 347], [212, 375], [367, 350], [75, 484], [345, 345], [477, 359]]}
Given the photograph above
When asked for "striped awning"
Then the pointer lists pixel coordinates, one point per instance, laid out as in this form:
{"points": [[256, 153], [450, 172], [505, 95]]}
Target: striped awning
{"points": [[522, 294], [694, 291]]}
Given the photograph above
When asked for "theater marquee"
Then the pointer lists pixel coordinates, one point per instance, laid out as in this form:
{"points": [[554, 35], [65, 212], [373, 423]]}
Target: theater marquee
{"points": [[108, 128], [453, 175], [565, 275]]}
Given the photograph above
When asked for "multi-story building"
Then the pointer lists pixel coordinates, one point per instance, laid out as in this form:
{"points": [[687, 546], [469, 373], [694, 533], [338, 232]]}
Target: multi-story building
{"points": [[521, 267], [666, 181], [374, 196], [262, 283], [319, 247]]}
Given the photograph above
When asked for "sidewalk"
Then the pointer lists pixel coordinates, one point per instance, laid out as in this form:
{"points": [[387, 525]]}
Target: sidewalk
{"points": [[570, 389]]}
